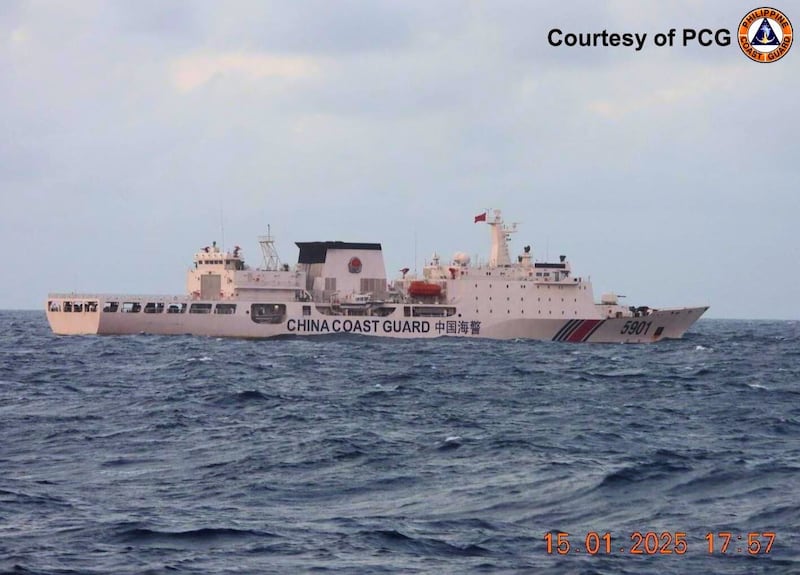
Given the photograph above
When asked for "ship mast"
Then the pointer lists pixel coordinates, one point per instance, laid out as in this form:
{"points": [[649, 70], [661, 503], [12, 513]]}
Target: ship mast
{"points": [[501, 234], [272, 262]]}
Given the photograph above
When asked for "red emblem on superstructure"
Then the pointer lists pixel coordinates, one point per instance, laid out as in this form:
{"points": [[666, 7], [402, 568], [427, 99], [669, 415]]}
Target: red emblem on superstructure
{"points": [[354, 265]]}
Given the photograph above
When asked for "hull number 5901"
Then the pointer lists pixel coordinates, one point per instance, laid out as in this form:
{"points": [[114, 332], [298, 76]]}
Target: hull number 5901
{"points": [[636, 327]]}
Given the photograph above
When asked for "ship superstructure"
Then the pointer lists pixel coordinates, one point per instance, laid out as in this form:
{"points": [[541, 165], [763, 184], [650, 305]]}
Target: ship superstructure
{"points": [[342, 287]]}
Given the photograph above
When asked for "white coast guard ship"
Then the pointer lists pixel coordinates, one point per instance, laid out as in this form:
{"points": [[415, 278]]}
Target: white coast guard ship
{"points": [[341, 287]]}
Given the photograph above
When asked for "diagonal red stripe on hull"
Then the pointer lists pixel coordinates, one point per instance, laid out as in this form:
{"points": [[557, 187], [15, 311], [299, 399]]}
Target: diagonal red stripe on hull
{"points": [[584, 329]]}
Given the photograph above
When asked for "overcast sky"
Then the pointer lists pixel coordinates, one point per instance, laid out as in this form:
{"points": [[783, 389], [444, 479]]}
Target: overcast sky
{"points": [[132, 130]]}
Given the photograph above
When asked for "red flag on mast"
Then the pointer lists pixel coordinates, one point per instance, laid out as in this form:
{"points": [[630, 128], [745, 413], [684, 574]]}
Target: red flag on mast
{"points": [[480, 218]]}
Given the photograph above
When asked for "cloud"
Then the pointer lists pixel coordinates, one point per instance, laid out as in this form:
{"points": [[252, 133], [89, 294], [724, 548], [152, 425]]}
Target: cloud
{"points": [[660, 91], [146, 118], [188, 73], [18, 39]]}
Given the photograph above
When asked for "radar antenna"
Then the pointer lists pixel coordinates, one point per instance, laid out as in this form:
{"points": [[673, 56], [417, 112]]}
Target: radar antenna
{"points": [[501, 234], [272, 262]]}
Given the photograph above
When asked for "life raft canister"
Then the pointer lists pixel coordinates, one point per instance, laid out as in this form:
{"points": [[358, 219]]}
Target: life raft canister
{"points": [[420, 288]]}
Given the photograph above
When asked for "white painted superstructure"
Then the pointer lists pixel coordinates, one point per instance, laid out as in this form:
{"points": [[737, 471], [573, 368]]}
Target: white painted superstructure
{"points": [[341, 287]]}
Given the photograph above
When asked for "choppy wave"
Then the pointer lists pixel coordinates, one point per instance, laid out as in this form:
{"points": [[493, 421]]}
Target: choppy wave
{"points": [[148, 454]]}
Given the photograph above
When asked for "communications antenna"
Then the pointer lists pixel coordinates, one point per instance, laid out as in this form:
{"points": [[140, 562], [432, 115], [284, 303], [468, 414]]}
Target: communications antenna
{"points": [[272, 262]]}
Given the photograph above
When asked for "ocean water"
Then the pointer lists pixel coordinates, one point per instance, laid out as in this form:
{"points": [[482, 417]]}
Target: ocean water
{"points": [[149, 454]]}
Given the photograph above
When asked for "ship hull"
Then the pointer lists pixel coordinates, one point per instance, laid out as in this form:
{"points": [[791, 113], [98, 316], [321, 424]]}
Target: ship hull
{"points": [[299, 319]]}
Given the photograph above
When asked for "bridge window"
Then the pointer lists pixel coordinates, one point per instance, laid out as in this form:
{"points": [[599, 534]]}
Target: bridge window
{"points": [[268, 312], [176, 308], [431, 311], [200, 308], [157, 307], [225, 308], [131, 307]]}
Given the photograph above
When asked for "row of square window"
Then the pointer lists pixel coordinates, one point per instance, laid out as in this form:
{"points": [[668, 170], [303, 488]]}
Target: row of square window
{"points": [[575, 312], [523, 286], [523, 299]]}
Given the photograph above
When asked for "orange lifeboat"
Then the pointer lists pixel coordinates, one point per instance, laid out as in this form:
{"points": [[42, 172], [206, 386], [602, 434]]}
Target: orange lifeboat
{"points": [[424, 289]]}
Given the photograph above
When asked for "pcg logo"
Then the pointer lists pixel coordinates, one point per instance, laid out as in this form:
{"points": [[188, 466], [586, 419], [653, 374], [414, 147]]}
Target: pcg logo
{"points": [[765, 35]]}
